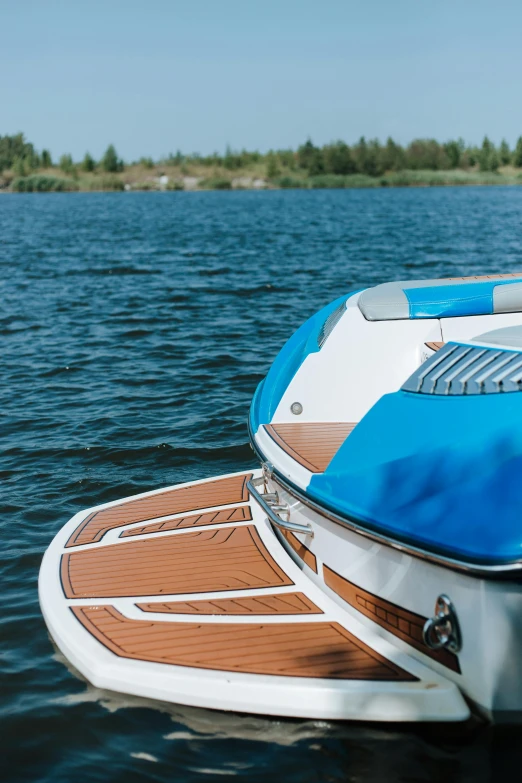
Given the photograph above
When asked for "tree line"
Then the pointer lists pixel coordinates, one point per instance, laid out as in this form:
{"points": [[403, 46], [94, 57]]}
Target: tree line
{"points": [[21, 157], [369, 157]]}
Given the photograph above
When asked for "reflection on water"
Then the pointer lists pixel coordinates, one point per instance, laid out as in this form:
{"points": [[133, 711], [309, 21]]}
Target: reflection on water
{"points": [[135, 328]]}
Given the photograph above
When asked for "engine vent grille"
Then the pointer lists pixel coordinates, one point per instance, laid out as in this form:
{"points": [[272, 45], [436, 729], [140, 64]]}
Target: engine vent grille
{"points": [[466, 369], [330, 324]]}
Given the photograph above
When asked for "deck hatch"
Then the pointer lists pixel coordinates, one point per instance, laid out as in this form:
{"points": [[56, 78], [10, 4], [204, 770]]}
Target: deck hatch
{"points": [[463, 369]]}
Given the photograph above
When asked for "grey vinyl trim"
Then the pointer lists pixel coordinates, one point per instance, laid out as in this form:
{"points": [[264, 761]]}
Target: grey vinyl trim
{"points": [[507, 298], [386, 302]]}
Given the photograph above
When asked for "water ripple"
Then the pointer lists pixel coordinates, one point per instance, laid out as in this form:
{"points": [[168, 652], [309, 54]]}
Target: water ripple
{"points": [[135, 328]]}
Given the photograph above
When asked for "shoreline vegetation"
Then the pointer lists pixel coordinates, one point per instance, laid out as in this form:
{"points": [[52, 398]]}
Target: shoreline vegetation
{"points": [[366, 164]]}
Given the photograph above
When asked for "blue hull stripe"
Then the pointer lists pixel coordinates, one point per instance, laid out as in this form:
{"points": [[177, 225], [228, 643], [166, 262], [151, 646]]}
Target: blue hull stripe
{"points": [[287, 363]]}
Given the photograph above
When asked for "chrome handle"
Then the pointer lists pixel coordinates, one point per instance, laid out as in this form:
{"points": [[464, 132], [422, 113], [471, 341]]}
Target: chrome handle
{"points": [[270, 511]]}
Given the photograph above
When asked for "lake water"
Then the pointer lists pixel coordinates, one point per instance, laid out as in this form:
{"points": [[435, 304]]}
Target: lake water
{"points": [[135, 328]]}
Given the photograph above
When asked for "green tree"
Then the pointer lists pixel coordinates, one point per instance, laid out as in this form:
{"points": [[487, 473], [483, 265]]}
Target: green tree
{"points": [[504, 153], [110, 161], [272, 165], [494, 160], [14, 147], [23, 166], [232, 160], [20, 167], [473, 155], [175, 160], [32, 160], [88, 163], [374, 160], [368, 157], [46, 159], [487, 156], [517, 155], [286, 157], [392, 156], [66, 164], [360, 153], [311, 158], [426, 154], [338, 159], [454, 150]]}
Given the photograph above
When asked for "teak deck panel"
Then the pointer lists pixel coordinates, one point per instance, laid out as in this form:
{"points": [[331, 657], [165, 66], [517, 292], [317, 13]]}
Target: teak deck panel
{"points": [[435, 346], [286, 603], [196, 562], [300, 549], [237, 514], [400, 622], [313, 445], [218, 492], [319, 649]]}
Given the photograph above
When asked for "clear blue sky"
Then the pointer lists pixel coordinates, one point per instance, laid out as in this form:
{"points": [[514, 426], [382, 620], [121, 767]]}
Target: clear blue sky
{"points": [[153, 76]]}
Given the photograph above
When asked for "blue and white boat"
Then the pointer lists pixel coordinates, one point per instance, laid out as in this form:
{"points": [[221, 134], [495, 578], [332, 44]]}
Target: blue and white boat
{"points": [[371, 569]]}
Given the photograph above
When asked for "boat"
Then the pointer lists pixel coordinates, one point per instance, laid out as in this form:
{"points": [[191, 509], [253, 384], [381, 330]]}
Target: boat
{"points": [[369, 568]]}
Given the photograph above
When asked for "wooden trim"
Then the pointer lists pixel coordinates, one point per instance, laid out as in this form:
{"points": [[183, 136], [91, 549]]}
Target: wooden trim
{"points": [[277, 603], [221, 517], [400, 622], [179, 500], [318, 649], [312, 444], [435, 346], [300, 549], [231, 558]]}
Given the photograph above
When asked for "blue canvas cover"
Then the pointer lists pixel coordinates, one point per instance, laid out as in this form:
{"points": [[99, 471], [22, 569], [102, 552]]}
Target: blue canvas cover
{"points": [[442, 473]]}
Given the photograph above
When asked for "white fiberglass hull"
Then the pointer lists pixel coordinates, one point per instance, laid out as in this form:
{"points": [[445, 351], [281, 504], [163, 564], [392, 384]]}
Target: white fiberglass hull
{"points": [[248, 630], [486, 668]]}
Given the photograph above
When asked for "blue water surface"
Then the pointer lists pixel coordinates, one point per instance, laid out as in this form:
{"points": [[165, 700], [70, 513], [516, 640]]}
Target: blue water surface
{"points": [[134, 330]]}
